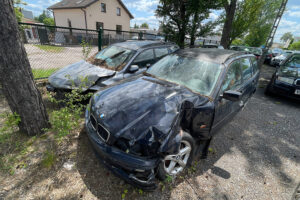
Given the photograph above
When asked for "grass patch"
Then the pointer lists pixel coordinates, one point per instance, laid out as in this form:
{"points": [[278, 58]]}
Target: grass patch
{"points": [[43, 73], [49, 48], [48, 159]]}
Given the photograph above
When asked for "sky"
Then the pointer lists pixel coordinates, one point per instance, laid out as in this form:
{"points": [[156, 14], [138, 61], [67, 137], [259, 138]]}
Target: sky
{"points": [[144, 11]]}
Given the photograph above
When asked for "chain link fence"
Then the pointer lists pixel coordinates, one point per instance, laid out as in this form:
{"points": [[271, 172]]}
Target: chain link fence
{"points": [[50, 48]]}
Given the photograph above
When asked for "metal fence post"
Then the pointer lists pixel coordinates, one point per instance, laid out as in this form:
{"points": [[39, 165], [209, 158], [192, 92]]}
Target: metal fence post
{"points": [[99, 39]]}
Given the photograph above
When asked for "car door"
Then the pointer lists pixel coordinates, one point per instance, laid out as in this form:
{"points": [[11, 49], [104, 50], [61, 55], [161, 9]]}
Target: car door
{"points": [[247, 88], [226, 109], [145, 59]]}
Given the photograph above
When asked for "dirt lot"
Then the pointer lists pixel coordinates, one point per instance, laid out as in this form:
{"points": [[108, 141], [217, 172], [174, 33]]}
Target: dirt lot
{"points": [[256, 156]]}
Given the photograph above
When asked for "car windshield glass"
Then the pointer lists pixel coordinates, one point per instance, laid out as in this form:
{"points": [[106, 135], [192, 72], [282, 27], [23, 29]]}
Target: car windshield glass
{"points": [[113, 57], [198, 75], [293, 62]]}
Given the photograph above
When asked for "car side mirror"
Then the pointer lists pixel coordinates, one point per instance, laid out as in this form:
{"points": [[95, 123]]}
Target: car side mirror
{"points": [[133, 68], [232, 95]]}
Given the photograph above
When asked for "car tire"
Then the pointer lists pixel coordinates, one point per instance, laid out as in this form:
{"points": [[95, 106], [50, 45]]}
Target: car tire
{"points": [[165, 167]]}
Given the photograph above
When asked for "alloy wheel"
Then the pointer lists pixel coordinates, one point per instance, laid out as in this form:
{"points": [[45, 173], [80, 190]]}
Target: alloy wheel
{"points": [[174, 164]]}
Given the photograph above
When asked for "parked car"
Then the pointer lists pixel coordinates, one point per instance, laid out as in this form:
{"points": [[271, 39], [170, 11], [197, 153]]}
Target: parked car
{"points": [[269, 57], [111, 65], [286, 79], [212, 45], [156, 125], [256, 51], [275, 61]]}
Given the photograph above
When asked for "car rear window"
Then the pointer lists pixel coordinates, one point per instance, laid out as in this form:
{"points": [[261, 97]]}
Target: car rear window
{"points": [[160, 52]]}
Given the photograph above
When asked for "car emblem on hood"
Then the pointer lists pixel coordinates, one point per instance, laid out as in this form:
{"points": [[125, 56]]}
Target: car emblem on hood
{"points": [[102, 116]]}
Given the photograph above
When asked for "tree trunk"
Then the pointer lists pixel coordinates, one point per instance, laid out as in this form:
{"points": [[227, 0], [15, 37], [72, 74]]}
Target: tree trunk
{"points": [[230, 11], [194, 29], [16, 77], [182, 30]]}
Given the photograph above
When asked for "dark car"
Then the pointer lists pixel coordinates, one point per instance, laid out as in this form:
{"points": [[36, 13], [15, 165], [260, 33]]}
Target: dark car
{"points": [[156, 124], [275, 61], [212, 45], [269, 57], [111, 65], [286, 79]]}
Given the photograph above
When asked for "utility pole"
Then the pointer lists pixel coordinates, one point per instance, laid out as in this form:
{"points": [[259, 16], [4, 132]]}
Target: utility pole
{"points": [[270, 38]]}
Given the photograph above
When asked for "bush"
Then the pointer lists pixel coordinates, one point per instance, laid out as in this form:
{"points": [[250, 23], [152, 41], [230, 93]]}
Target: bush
{"points": [[295, 46]]}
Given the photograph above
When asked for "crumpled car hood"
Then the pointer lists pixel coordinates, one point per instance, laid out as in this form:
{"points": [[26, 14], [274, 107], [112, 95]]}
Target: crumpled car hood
{"points": [[78, 74], [134, 109]]}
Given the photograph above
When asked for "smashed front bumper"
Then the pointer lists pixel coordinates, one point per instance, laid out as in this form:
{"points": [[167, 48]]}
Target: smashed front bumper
{"points": [[135, 170]]}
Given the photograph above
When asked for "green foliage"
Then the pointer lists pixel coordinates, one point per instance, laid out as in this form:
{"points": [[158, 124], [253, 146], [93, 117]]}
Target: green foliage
{"points": [[49, 21], [43, 73], [18, 14], [259, 31], [295, 46], [68, 118], [247, 13], [144, 25], [86, 49], [50, 48], [11, 121], [177, 17], [141, 192], [48, 159], [287, 36], [124, 193], [237, 42]]}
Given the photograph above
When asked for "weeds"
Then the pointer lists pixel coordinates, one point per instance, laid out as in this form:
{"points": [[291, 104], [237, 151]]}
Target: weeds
{"points": [[86, 49], [68, 118], [48, 159]]}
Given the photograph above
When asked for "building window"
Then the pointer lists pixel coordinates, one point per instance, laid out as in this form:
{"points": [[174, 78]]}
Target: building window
{"points": [[103, 7], [119, 29], [119, 11], [99, 25]]}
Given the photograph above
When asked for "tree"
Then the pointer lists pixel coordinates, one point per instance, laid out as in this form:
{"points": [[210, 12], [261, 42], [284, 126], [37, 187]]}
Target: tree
{"points": [[295, 46], [230, 7], [17, 9], [246, 14], [259, 31], [200, 11], [49, 21], [176, 16], [144, 25], [287, 36], [136, 26], [16, 77], [45, 18]]}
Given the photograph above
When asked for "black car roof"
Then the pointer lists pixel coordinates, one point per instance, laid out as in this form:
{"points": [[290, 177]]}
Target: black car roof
{"points": [[212, 55], [135, 45]]}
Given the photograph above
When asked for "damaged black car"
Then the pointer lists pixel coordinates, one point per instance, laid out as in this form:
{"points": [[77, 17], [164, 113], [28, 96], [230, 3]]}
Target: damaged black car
{"points": [[156, 125], [111, 65]]}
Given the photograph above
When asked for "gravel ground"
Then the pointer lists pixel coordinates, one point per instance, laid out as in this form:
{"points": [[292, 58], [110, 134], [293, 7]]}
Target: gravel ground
{"points": [[39, 58], [256, 156]]}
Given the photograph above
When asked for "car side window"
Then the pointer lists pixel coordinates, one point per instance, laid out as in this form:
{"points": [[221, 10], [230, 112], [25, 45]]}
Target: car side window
{"points": [[174, 48], [233, 77], [254, 64], [144, 58], [246, 68], [160, 52]]}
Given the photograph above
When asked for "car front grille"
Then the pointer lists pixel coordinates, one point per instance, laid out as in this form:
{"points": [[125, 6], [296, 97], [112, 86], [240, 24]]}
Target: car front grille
{"points": [[102, 132]]}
